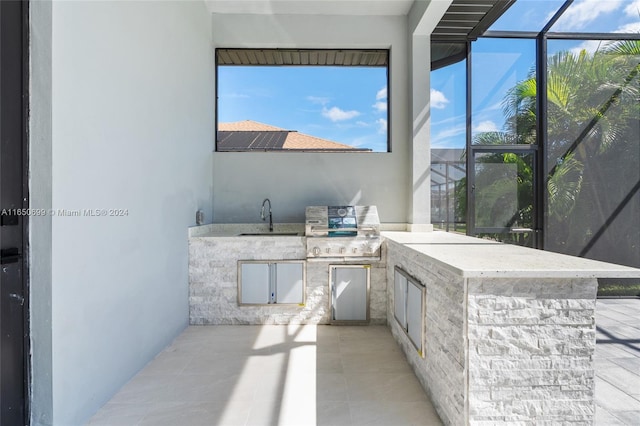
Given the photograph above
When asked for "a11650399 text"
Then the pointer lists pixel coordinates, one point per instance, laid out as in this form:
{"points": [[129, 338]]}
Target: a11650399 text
{"points": [[66, 212]]}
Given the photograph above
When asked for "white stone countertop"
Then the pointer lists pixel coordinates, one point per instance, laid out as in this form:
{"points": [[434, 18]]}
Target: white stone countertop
{"points": [[466, 256], [477, 258]]}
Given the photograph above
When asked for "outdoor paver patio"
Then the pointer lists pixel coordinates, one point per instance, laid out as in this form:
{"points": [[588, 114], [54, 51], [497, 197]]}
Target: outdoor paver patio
{"points": [[617, 362]]}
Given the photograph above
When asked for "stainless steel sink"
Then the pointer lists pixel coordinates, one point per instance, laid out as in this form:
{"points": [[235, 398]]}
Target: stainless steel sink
{"points": [[270, 234]]}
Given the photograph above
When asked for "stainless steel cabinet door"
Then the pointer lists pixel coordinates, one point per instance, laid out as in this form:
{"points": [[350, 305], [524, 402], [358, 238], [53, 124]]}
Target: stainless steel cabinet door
{"points": [[400, 298], [289, 283], [415, 314], [255, 283], [350, 293], [408, 306]]}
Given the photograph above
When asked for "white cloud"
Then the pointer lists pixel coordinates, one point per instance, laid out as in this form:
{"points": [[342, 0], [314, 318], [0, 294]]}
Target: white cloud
{"points": [[382, 125], [320, 100], [486, 126], [362, 124], [582, 13], [337, 114], [380, 106], [381, 100], [633, 9], [633, 27], [591, 46], [438, 99]]}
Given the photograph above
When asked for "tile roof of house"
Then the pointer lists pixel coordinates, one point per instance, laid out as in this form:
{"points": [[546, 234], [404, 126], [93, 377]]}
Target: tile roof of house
{"points": [[247, 126], [252, 135]]}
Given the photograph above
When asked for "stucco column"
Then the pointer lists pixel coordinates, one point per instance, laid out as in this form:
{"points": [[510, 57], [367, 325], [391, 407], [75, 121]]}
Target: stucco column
{"points": [[423, 18], [420, 211]]}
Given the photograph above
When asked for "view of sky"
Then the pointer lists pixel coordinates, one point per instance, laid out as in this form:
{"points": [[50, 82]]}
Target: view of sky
{"points": [[349, 104], [497, 64], [341, 104]]}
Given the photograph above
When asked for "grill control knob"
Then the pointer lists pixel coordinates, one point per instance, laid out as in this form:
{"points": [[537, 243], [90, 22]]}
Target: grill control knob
{"points": [[342, 250], [316, 251]]}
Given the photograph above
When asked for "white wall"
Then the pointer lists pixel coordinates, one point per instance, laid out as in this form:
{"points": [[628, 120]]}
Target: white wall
{"points": [[132, 128], [294, 180]]}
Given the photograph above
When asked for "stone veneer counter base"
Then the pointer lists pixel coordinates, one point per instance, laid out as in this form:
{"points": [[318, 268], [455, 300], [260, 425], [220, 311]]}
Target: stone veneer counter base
{"points": [[509, 332], [214, 253]]}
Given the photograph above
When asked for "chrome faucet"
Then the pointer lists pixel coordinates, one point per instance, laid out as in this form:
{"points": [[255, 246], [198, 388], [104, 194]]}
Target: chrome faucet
{"points": [[270, 216]]}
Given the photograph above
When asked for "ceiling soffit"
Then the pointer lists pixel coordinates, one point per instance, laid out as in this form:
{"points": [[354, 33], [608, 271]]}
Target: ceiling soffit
{"points": [[329, 57], [467, 19]]}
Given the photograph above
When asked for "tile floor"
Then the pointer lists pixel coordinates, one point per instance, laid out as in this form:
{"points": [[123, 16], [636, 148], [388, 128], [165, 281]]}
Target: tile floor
{"points": [[274, 375], [618, 362], [324, 375]]}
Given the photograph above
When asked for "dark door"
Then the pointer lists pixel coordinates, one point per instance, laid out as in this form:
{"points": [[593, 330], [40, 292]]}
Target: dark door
{"points": [[13, 219]]}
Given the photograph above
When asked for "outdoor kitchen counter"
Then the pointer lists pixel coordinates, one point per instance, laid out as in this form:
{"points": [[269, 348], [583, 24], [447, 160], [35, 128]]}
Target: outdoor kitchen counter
{"points": [[475, 257], [216, 251], [508, 333]]}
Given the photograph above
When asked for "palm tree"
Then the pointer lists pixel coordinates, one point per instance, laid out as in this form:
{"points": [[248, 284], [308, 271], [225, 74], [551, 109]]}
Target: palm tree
{"points": [[593, 149]]}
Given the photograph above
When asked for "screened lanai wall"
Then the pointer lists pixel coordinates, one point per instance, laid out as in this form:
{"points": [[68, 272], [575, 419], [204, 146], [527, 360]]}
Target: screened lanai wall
{"points": [[546, 108]]}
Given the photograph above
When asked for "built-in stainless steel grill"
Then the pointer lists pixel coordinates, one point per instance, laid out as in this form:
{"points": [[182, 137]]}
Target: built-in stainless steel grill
{"points": [[342, 232]]}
